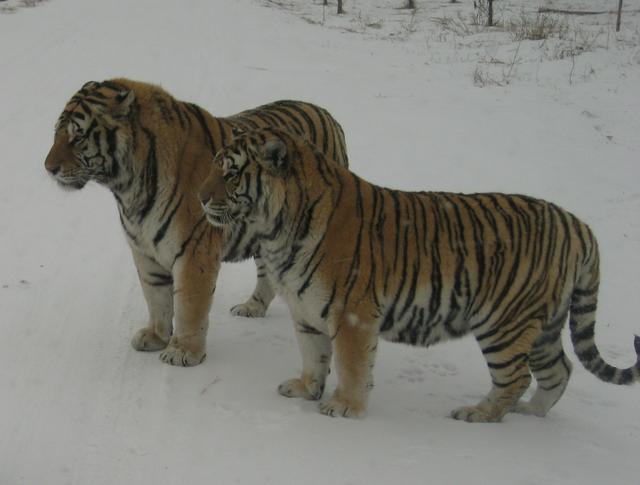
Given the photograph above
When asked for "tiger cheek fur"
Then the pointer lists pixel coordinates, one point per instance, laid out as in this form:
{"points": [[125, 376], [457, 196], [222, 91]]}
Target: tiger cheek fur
{"points": [[355, 262]]}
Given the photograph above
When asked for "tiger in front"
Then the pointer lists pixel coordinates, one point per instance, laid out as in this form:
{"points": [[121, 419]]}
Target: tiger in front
{"points": [[355, 262], [153, 151]]}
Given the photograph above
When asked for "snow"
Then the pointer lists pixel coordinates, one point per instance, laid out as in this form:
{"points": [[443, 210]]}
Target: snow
{"points": [[78, 405]]}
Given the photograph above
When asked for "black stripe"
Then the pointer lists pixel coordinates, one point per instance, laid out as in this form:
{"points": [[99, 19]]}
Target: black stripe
{"points": [[325, 310], [396, 209], [111, 151], [577, 228], [587, 333], [111, 85], [323, 124], [390, 317], [548, 365], [149, 181], [178, 112], [93, 125], [552, 386], [581, 310], [304, 327], [511, 382], [307, 282], [244, 122], [625, 377], [507, 363], [589, 354], [186, 242], [607, 373], [163, 229], [197, 112], [293, 106], [498, 347], [585, 292], [286, 120], [161, 279], [354, 267]]}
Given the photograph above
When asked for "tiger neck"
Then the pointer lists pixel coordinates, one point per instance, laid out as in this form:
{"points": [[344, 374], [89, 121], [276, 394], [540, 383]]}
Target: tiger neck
{"points": [[147, 171], [292, 236]]}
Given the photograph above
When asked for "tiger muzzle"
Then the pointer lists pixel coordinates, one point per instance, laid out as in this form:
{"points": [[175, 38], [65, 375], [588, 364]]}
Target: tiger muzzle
{"points": [[59, 153]]}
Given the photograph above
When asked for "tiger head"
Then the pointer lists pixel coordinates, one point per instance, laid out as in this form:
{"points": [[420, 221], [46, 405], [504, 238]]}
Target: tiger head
{"points": [[92, 135], [247, 182]]}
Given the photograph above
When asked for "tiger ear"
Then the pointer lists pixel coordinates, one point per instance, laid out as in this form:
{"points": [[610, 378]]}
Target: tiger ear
{"points": [[124, 99], [274, 155], [89, 86]]}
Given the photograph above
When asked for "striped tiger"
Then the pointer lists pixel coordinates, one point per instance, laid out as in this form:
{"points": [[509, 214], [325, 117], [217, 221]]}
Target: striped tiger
{"points": [[152, 151], [355, 262]]}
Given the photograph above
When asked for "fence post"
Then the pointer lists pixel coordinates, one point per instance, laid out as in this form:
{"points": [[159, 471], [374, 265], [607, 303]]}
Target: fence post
{"points": [[490, 14], [619, 15]]}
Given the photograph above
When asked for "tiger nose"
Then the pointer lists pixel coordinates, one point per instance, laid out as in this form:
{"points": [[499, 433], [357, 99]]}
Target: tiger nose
{"points": [[53, 170], [204, 195], [55, 157]]}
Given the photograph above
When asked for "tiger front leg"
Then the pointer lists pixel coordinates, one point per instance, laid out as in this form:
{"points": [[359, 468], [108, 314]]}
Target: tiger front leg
{"points": [[193, 287], [354, 346], [263, 294], [157, 286], [315, 348]]}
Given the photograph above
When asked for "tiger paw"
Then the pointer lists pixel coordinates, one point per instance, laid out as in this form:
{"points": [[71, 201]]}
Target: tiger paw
{"points": [[473, 414], [311, 390], [147, 340], [250, 309], [182, 354], [340, 407]]}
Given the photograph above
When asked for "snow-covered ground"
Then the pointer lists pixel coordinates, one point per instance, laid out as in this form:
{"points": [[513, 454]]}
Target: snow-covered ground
{"points": [[428, 101]]}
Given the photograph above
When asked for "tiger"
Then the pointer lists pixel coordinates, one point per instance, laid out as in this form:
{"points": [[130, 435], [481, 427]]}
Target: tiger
{"points": [[152, 151], [356, 262]]}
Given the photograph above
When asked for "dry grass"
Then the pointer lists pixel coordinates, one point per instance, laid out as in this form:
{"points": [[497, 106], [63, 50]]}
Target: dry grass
{"points": [[484, 75], [458, 25], [538, 27]]}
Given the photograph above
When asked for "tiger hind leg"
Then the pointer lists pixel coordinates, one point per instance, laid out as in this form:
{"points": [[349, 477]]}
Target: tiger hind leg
{"points": [[552, 369], [507, 355], [258, 302]]}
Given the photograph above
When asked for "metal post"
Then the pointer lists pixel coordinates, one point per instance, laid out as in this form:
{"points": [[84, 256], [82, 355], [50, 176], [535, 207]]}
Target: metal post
{"points": [[619, 15]]}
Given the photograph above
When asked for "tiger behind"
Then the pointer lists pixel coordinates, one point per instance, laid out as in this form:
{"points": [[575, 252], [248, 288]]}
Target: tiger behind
{"points": [[152, 151], [355, 261]]}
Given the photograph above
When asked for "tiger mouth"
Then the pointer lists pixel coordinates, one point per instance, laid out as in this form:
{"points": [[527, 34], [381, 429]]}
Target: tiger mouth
{"points": [[70, 184], [219, 219]]}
